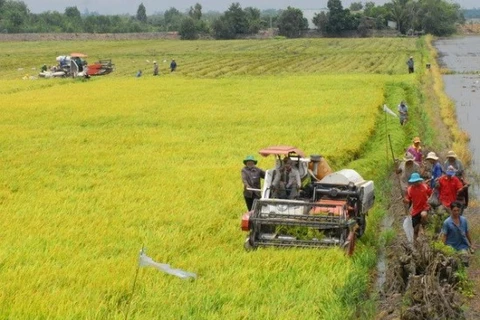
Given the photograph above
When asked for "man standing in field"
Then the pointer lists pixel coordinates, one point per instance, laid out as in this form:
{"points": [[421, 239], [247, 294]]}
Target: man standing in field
{"points": [[410, 65], [155, 68], [417, 194], [403, 111], [173, 66], [251, 176], [455, 232]]}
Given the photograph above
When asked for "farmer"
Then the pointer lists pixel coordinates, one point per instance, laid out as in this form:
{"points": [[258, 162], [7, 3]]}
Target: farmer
{"points": [[455, 232], [410, 65], [286, 181], [155, 68], [449, 186], [417, 194], [416, 150], [403, 111], [452, 160], [251, 176], [405, 170], [173, 66], [436, 168]]}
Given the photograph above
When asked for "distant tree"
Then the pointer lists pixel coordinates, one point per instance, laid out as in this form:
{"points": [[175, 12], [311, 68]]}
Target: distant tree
{"points": [[223, 29], [72, 13], [237, 18], [320, 20], [188, 29], [438, 17], [14, 16], [291, 23], [73, 21], [338, 18], [195, 12], [269, 18], [173, 19], [253, 19], [378, 13], [356, 6], [141, 13], [398, 13]]}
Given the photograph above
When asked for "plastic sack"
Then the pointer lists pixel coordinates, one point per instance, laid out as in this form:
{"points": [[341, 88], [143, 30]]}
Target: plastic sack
{"points": [[408, 228]]}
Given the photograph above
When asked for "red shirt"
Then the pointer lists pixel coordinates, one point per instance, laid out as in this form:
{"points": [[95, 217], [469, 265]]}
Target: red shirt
{"points": [[448, 189], [418, 194]]}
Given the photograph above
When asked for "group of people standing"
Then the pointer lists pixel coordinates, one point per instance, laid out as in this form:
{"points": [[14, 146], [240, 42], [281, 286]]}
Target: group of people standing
{"points": [[427, 185], [156, 72]]}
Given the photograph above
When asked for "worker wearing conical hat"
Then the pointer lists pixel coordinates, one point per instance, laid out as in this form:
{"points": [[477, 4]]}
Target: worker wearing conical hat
{"points": [[251, 176], [416, 150], [405, 170], [452, 160], [436, 168]]}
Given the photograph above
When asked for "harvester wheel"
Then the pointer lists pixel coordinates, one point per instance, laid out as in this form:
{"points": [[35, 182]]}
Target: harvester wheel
{"points": [[248, 246], [362, 225]]}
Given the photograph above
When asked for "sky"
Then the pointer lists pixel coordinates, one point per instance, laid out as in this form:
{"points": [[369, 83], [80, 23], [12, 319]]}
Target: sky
{"points": [[110, 7]]}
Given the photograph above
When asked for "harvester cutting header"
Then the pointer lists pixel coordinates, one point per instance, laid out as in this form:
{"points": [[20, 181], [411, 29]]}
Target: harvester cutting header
{"points": [[328, 208], [75, 65]]}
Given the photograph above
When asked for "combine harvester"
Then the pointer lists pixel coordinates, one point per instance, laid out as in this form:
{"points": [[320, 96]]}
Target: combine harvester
{"points": [[330, 209], [74, 65]]}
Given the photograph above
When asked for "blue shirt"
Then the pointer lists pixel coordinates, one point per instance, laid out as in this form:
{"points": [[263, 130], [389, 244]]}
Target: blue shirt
{"points": [[456, 235], [436, 173]]}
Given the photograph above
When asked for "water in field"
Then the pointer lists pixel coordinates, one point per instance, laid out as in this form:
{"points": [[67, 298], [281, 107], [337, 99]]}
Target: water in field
{"points": [[462, 55]]}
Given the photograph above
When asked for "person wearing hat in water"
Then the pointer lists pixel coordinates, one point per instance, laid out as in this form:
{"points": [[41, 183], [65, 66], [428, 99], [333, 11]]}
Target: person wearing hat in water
{"points": [[449, 186], [436, 168], [417, 194], [411, 65], [405, 170], [251, 176], [416, 150], [155, 68], [286, 181]]}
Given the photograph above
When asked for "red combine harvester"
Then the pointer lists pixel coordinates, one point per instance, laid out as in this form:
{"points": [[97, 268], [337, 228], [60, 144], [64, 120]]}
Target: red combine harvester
{"points": [[75, 65], [330, 209]]}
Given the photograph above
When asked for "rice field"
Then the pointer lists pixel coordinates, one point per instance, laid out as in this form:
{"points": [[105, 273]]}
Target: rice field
{"points": [[94, 170]]}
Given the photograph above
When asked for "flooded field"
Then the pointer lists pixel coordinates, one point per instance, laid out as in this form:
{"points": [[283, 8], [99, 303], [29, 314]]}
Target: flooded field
{"points": [[462, 55]]}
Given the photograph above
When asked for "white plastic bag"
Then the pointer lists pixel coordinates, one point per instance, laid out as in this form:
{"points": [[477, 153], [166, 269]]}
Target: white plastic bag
{"points": [[408, 228]]}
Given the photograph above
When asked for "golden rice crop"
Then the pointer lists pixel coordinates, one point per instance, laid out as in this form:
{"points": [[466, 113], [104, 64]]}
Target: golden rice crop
{"points": [[91, 171]]}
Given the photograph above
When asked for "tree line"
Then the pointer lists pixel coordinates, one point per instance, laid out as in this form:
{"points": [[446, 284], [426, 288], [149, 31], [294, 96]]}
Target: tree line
{"points": [[437, 17]]}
